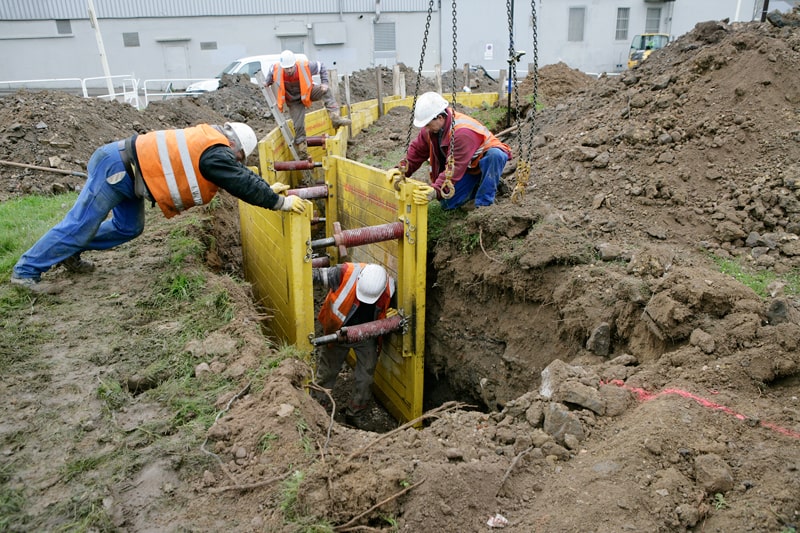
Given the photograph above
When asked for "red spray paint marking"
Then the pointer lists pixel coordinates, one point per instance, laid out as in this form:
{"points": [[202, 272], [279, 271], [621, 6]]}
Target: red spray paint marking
{"points": [[644, 396]]}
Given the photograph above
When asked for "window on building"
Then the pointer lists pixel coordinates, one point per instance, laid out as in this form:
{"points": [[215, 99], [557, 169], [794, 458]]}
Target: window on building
{"points": [[385, 51], [577, 16], [63, 27], [211, 45], [623, 19], [653, 22], [130, 39]]}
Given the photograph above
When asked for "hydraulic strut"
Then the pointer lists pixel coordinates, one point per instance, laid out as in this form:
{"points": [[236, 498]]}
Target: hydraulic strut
{"points": [[359, 236], [310, 193], [367, 330], [303, 164]]}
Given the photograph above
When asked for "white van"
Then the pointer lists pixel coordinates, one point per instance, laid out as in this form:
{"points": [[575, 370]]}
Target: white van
{"points": [[245, 65]]}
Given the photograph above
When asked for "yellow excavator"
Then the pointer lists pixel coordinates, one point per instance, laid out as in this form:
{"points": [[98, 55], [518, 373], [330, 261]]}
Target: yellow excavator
{"points": [[643, 45]]}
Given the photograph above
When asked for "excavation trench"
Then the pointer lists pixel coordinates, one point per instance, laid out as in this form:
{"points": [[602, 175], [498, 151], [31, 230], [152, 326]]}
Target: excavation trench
{"points": [[488, 333]]}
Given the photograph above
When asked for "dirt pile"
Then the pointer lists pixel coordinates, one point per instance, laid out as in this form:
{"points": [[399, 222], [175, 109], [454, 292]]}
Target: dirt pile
{"points": [[620, 381]]}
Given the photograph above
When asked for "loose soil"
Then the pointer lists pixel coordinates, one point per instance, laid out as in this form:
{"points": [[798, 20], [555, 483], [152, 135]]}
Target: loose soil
{"points": [[614, 378]]}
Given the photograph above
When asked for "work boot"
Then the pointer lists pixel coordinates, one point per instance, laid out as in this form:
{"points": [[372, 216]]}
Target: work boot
{"points": [[35, 285], [302, 150], [359, 419], [27, 283], [76, 265], [337, 120]]}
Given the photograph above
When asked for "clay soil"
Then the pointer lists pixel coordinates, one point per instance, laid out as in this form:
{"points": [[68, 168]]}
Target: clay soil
{"points": [[591, 363]]}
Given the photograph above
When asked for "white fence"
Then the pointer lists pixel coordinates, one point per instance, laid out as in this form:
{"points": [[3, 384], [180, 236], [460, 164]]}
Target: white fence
{"points": [[126, 88]]}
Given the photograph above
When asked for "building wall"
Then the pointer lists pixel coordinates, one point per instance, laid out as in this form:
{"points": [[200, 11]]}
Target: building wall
{"points": [[340, 33]]}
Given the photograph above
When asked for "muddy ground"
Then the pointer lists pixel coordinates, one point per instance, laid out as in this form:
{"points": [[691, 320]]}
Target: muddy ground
{"points": [[614, 379]]}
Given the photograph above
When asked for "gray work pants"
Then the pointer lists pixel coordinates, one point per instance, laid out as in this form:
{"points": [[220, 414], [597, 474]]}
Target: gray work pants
{"points": [[297, 111], [330, 363]]}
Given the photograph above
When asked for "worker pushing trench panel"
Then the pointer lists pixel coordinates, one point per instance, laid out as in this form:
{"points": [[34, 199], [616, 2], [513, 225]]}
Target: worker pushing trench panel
{"points": [[380, 225]]}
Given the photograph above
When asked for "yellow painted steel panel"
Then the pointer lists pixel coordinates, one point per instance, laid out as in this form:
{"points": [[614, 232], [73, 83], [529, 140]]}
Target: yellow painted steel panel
{"points": [[277, 254]]}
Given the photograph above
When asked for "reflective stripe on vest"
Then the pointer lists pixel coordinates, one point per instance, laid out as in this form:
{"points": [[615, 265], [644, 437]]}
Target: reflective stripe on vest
{"points": [[346, 291], [489, 140], [169, 172], [304, 76], [170, 164]]}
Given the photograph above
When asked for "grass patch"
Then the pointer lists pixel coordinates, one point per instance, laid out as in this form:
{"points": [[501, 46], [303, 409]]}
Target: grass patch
{"points": [[294, 514], [87, 514], [493, 117], [758, 280], [24, 220], [384, 160], [20, 338], [112, 394], [12, 501]]}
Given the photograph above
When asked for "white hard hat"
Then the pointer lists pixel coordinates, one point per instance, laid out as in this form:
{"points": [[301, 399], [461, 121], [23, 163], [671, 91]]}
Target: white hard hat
{"points": [[429, 105], [287, 59], [245, 135], [371, 283]]}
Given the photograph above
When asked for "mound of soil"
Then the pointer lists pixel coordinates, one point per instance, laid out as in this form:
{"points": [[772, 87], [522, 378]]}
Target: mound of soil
{"points": [[614, 379]]}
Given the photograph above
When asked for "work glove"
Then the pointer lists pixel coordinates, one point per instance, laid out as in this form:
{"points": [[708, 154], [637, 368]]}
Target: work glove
{"points": [[423, 195], [396, 178], [279, 187], [391, 312], [294, 204], [324, 87]]}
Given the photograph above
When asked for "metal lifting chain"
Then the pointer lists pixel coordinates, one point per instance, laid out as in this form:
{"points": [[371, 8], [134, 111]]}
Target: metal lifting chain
{"points": [[403, 166], [526, 154], [447, 190]]}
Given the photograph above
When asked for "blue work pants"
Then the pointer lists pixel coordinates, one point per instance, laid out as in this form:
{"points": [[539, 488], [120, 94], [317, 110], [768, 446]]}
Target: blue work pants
{"points": [[108, 189], [480, 187]]}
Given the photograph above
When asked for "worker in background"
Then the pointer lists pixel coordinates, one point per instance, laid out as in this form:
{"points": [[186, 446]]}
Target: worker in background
{"points": [[357, 293], [479, 156], [295, 87], [176, 169]]}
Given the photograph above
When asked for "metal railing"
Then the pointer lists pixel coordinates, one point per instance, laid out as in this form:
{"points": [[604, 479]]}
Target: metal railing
{"points": [[165, 88], [125, 87]]}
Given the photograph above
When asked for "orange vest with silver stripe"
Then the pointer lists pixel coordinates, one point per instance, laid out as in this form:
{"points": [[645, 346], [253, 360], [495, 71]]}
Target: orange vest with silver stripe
{"points": [[170, 164], [306, 83], [489, 139], [339, 303]]}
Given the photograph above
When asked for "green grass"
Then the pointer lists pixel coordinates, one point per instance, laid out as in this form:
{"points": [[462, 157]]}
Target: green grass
{"points": [[758, 280], [20, 337], [386, 160], [266, 440], [12, 503], [493, 117], [24, 220]]}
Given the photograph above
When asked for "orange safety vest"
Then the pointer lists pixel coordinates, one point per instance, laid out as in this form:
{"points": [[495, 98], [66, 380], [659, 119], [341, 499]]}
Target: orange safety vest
{"points": [[339, 305], [306, 83], [170, 164], [489, 139]]}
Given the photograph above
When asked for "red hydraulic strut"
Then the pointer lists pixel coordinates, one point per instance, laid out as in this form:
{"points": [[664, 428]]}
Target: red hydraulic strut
{"points": [[303, 164], [368, 330], [359, 236], [310, 193], [319, 140]]}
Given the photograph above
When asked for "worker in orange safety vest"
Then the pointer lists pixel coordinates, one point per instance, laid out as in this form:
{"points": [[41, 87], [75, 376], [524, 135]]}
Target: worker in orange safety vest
{"points": [[294, 86], [357, 293]]}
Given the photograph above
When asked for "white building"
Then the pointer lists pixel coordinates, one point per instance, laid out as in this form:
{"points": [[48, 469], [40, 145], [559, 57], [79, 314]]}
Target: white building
{"points": [[192, 39]]}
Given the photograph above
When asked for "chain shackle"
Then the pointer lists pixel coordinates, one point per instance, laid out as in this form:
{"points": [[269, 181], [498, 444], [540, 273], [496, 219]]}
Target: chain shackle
{"points": [[448, 189]]}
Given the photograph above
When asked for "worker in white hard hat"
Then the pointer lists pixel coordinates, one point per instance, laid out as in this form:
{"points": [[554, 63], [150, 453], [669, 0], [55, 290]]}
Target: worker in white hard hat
{"points": [[176, 169], [357, 293], [478, 155], [294, 86]]}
